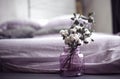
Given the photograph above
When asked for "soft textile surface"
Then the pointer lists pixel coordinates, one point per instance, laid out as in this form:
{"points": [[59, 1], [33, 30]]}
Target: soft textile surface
{"points": [[18, 23], [18, 29], [14, 28], [22, 32], [46, 31], [56, 24], [41, 54]]}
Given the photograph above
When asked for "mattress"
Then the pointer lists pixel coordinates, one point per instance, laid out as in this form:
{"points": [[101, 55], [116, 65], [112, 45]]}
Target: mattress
{"points": [[41, 54]]}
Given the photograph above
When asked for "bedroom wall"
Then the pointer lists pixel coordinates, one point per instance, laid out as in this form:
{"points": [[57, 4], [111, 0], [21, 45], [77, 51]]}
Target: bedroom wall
{"points": [[103, 17], [7, 10], [47, 9], [33, 9], [13, 9], [21, 8]]}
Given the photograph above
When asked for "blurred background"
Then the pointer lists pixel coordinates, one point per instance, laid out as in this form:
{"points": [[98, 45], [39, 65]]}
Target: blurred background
{"points": [[106, 11]]}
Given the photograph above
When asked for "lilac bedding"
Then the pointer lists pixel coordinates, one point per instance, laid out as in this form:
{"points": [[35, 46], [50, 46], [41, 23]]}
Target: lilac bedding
{"points": [[41, 54]]}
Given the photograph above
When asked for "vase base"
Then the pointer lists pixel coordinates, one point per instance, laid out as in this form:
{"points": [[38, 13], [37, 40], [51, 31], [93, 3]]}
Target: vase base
{"points": [[71, 74]]}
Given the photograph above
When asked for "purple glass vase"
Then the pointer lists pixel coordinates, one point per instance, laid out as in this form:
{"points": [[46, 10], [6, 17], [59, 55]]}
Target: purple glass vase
{"points": [[71, 63]]}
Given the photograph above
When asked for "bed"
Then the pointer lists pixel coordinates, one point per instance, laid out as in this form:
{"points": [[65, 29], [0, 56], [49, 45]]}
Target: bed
{"points": [[40, 54]]}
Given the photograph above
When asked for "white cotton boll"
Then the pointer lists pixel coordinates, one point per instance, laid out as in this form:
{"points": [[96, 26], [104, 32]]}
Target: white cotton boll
{"points": [[87, 31], [64, 32], [92, 19], [67, 40], [80, 42], [81, 28], [87, 40], [78, 27], [79, 35], [74, 37], [73, 30]]}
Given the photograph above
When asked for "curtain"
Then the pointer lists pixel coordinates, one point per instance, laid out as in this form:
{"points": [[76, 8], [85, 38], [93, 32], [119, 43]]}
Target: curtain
{"points": [[116, 15]]}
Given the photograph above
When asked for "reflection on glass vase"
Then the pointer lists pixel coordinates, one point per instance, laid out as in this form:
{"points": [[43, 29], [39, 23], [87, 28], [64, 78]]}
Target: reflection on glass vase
{"points": [[71, 62]]}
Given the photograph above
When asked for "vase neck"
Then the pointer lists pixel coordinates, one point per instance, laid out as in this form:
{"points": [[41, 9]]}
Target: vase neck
{"points": [[68, 49]]}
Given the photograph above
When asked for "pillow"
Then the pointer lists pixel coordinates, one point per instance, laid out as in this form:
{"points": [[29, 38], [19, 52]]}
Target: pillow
{"points": [[18, 29], [21, 32], [55, 25], [19, 23], [46, 30], [65, 21]]}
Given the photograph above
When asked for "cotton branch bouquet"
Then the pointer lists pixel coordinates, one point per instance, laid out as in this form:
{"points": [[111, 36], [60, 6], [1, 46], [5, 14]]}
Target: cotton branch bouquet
{"points": [[78, 34], [80, 31]]}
